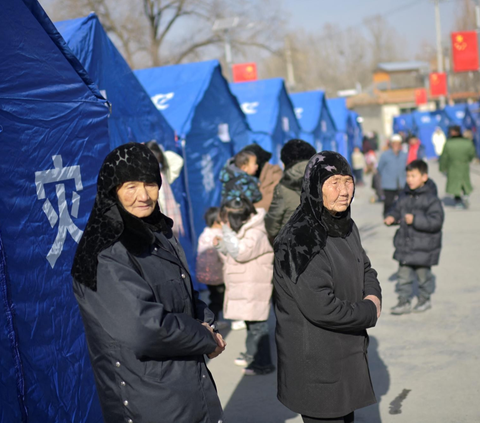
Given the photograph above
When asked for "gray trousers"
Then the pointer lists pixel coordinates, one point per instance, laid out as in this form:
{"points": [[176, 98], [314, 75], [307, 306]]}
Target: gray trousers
{"points": [[406, 276]]}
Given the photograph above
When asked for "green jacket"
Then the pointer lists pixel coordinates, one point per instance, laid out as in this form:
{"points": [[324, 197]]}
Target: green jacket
{"points": [[286, 199], [455, 160]]}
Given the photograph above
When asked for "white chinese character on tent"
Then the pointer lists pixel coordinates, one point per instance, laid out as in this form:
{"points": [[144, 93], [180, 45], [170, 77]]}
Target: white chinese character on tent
{"points": [[207, 173], [65, 223]]}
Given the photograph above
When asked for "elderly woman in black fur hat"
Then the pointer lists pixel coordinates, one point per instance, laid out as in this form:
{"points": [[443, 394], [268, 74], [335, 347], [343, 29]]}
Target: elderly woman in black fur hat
{"points": [[146, 329], [326, 296]]}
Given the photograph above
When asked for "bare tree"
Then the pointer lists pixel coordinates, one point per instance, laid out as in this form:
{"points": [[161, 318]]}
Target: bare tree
{"points": [[160, 32]]}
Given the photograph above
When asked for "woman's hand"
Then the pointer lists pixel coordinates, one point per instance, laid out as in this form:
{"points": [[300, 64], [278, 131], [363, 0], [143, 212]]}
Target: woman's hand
{"points": [[375, 300], [221, 344]]}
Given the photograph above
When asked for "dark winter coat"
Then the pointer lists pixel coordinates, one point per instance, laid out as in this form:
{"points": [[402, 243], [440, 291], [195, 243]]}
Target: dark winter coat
{"points": [[237, 183], [286, 198], [142, 318], [321, 277], [455, 160], [145, 338], [418, 244]]}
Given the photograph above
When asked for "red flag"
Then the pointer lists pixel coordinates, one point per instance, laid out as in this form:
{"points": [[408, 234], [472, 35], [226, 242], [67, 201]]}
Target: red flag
{"points": [[465, 51], [438, 84], [420, 96], [243, 72]]}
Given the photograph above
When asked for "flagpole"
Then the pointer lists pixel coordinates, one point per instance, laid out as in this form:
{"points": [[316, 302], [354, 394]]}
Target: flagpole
{"points": [[439, 46]]}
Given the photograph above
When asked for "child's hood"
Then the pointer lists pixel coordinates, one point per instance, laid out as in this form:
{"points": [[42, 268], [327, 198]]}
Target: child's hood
{"points": [[230, 171], [256, 221]]}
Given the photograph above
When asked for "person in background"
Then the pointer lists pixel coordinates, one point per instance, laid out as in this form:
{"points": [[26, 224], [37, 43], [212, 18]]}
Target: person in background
{"points": [[391, 169], [455, 160], [358, 165], [147, 331], [326, 296], [418, 241], [295, 155], [248, 270], [269, 175], [171, 165], [209, 265], [238, 177], [438, 141], [416, 150]]}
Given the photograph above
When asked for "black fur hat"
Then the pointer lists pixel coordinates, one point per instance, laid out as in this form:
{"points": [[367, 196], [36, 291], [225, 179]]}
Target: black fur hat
{"points": [[295, 151]]}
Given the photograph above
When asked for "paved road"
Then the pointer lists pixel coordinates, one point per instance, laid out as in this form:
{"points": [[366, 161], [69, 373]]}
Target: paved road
{"points": [[425, 367]]}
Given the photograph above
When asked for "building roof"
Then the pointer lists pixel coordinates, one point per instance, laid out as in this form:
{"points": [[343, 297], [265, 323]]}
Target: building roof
{"points": [[403, 66]]}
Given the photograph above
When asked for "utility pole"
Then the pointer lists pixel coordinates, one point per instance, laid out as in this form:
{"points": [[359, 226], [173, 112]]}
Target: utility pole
{"points": [[288, 60], [225, 25], [439, 45], [477, 13]]}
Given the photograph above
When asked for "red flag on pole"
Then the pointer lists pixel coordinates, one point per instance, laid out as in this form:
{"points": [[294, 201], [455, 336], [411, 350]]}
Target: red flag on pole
{"points": [[420, 96], [438, 84], [243, 72], [465, 51]]}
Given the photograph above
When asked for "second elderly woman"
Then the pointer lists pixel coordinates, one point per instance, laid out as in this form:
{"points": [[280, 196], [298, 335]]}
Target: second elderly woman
{"points": [[326, 296]]}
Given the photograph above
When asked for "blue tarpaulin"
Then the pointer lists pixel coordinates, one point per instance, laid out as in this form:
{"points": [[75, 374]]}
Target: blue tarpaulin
{"points": [[355, 132], [403, 123], [196, 101], [346, 129], [133, 117], [424, 125], [269, 112], [53, 138], [315, 119], [472, 122]]}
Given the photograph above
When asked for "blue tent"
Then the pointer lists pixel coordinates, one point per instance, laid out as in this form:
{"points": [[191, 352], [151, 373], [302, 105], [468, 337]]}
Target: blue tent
{"points": [[133, 117], [345, 126], [269, 112], [456, 114], [315, 119], [472, 122], [424, 125], [196, 101], [355, 132], [53, 139], [403, 123]]}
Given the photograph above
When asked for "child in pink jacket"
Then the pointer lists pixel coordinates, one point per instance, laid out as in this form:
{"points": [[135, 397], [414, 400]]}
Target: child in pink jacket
{"points": [[209, 265], [248, 272]]}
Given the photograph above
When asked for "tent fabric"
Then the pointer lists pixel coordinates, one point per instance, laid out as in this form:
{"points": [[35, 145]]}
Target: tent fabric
{"points": [[424, 125], [133, 117], [403, 123], [53, 138], [197, 103], [472, 122], [313, 114], [270, 113]]}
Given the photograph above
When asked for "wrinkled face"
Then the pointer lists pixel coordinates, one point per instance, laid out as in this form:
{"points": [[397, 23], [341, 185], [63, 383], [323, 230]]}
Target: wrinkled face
{"points": [[415, 179], [251, 167], [337, 192], [138, 198]]}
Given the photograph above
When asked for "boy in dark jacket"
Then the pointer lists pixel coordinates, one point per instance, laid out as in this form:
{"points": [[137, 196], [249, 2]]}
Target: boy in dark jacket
{"points": [[238, 179], [418, 241]]}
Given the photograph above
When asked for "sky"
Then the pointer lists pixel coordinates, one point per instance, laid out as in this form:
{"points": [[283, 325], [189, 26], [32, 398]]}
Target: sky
{"points": [[413, 19]]}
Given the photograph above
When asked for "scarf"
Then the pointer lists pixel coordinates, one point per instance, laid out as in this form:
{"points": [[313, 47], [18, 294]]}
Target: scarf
{"points": [[109, 221], [305, 234]]}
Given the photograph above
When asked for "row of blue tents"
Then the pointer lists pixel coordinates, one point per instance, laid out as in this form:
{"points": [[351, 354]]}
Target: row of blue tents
{"points": [[424, 124], [67, 98]]}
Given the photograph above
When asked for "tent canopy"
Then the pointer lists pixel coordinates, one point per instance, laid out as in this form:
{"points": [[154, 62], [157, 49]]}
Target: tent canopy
{"points": [[315, 119], [269, 112], [53, 138], [425, 124], [403, 123], [196, 101], [134, 117]]}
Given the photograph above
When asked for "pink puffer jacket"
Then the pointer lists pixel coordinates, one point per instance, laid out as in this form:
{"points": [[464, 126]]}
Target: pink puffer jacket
{"points": [[248, 278]]}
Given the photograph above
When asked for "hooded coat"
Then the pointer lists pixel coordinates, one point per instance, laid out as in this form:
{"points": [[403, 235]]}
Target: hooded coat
{"points": [[455, 160], [321, 277], [237, 183], [286, 198], [141, 315], [418, 244]]}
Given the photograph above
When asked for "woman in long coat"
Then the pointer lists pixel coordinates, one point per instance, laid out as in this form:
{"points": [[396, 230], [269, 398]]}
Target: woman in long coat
{"points": [[326, 296], [147, 332]]}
